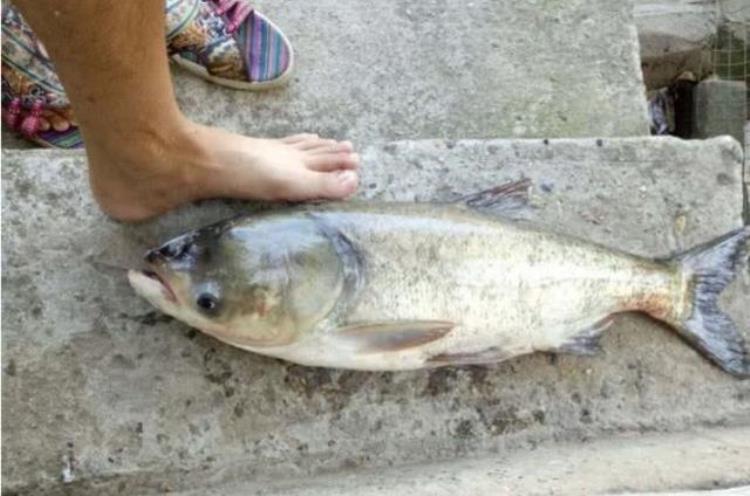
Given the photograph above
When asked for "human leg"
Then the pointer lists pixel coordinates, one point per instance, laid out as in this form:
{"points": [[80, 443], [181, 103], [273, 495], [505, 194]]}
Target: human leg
{"points": [[145, 157]]}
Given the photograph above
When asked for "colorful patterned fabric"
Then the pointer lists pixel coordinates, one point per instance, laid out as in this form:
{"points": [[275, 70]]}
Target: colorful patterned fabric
{"points": [[179, 15], [33, 75], [30, 85], [233, 41], [207, 42]]}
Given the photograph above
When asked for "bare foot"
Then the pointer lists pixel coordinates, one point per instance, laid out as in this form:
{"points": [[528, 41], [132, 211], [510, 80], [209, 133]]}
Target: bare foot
{"points": [[134, 183]]}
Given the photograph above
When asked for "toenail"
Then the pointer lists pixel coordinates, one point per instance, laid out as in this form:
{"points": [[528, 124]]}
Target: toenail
{"points": [[347, 177]]}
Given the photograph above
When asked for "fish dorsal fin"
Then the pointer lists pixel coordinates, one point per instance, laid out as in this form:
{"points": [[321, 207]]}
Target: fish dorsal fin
{"points": [[509, 199], [398, 335], [509, 196]]}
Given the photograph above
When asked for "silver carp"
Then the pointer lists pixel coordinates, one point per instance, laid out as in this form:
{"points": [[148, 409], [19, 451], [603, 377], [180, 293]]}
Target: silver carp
{"points": [[390, 286]]}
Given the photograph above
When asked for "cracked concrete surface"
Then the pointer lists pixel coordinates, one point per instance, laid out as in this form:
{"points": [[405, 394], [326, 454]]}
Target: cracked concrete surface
{"points": [[613, 466]]}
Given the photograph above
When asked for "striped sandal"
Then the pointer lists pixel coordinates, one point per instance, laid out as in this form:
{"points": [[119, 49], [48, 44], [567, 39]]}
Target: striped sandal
{"points": [[229, 43]]}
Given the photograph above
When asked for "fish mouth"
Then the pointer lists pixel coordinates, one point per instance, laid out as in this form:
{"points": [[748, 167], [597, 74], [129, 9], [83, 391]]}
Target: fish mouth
{"points": [[152, 274]]}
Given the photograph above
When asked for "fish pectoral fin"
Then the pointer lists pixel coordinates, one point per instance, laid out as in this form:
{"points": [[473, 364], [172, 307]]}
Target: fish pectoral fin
{"points": [[586, 341], [398, 335], [509, 200]]}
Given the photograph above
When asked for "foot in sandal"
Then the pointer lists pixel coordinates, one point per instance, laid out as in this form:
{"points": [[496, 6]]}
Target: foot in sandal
{"points": [[224, 41], [229, 43]]}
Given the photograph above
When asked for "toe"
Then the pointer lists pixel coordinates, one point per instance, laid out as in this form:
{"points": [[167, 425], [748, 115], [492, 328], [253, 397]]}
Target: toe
{"points": [[58, 122], [334, 185], [45, 121], [60, 125], [335, 147], [67, 114], [298, 138], [332, 161], [323, 185], [314, 144], [341, 184]]}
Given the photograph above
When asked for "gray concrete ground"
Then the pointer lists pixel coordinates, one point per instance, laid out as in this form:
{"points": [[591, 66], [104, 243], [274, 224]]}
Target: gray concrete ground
{"points": [[371, 71], [612, 466], [445, 69], [734, 491], [103, 395]]}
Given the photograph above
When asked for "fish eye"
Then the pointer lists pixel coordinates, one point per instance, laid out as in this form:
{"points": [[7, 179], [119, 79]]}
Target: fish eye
{"points": [[207, 302]]}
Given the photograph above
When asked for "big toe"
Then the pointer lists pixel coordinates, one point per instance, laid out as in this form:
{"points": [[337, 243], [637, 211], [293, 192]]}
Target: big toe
{"points": [[59, 123], [335, 185]]}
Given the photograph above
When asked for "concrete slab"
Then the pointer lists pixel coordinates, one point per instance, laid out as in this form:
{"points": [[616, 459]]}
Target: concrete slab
{"points": [[734, 491], [442, 69], [614, 466], [103, 393], [676, 25]]}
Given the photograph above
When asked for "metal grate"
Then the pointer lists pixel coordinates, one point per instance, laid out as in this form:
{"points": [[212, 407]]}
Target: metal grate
{"points": [[730, 51]]}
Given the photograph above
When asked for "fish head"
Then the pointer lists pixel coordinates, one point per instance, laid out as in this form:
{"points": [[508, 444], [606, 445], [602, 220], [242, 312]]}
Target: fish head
{"points": [[256, 283]]}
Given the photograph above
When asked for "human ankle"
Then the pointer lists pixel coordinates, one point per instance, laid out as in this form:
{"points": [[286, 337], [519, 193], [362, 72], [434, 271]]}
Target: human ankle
{"points": [[141, 151], [152, 167]]}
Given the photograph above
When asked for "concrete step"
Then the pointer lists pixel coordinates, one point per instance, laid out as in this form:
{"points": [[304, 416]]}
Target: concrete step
{"points": [[694, 463], [443, 68], [99, 387]]}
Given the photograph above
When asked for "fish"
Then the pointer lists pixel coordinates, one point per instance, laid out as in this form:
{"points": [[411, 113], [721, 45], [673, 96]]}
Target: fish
{"points": [[402, 286]]}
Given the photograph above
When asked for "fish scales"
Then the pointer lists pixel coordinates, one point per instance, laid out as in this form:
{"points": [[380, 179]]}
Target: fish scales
{"points": [[505, 287]]}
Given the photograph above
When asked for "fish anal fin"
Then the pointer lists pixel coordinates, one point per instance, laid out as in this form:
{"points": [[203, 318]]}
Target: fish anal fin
{"points": [[509, 199], [490, 355], [374, 337], [586, 341]]}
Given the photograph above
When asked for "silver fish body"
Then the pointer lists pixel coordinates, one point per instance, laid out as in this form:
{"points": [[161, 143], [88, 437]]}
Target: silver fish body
{"points": [[406, 286], [499, 290]]}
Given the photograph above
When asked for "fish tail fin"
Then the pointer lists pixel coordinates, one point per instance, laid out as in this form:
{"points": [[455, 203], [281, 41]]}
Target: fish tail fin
{"points": [[709, 269]]}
